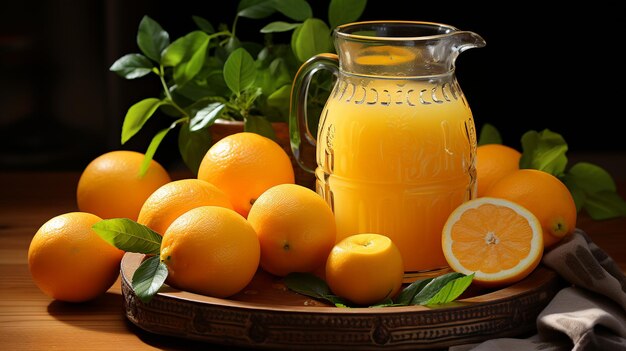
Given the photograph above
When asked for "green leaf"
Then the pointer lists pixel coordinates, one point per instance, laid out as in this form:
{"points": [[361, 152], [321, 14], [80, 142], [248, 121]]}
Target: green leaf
{"points": [[183, 48], [345, 11], [256, 8], [208, 83], [591, 178], [231, 45], [489, 135], [407, 294], [451, 290], [197, 90], [310, 39], [280, 97], [310, 285], [151, 38], [206, 116], [274, 76], [279, 26], [196, 61], [152, 148], [578, 194], [193, 146], [132, 66], [307, 284], [259, 125], [544, 151], [239, 71], [297, 10], [148, 278], [187, 55], [203, 24], [137, 116], [593, 189], [433, 287], [128, 235], [605, 205], [202, 103]]}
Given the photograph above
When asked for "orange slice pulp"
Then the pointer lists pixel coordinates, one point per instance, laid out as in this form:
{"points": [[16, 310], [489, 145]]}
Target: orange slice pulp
{"points": [[499, 241]]}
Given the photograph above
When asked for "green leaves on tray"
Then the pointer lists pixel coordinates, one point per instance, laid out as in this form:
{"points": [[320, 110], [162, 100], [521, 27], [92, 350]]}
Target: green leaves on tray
{"points": [[430, 291]]}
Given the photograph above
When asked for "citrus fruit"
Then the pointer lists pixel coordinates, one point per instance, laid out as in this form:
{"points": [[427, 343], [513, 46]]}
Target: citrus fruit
{"points": [[494, 161], [69, 261], [177, 197], [545, 196], [244, 165], [365, 268], [496, 239], [210, 250], [296, 229], [110, 185]]}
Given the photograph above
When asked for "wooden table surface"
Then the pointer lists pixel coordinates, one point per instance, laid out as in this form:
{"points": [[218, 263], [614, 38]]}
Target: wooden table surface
{"points": [[29, 320]]}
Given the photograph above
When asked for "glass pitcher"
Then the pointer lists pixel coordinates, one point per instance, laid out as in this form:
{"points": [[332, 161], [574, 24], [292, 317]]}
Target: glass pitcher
{"points": [[396, 141]]}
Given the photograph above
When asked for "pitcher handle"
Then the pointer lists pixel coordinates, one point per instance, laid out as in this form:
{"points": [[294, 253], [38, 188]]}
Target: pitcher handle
{"points": [[298, 119]]}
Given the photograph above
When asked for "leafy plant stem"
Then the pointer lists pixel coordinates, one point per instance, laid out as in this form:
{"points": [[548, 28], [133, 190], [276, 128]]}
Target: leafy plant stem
{"points": [[170, 100], [234, 27], [225, 33], [222, 33]]}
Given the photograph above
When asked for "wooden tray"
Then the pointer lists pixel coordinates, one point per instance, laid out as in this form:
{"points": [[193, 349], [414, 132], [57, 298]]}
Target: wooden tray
{"points": [[268, 315]]}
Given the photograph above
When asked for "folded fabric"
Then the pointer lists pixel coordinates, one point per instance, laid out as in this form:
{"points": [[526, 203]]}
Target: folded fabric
{"points": [[581, 262], [589, 315]]}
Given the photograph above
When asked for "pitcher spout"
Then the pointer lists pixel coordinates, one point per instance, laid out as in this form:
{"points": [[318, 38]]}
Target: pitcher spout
{"points": [[468, 40], [459, 41]]}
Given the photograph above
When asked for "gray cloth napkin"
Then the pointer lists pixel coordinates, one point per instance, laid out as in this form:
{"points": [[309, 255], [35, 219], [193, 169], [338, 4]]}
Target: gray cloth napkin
{"points": [[588, 315]]}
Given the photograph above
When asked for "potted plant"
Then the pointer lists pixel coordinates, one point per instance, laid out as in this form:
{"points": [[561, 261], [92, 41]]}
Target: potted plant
{"points": [[210, 76]]}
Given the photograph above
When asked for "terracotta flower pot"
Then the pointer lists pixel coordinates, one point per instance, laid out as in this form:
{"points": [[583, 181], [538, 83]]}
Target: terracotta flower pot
{"points": [[222, 128]]}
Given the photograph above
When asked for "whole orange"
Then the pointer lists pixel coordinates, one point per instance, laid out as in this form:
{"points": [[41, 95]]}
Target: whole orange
{"points": [[494, 161], [210, 250], [111, 187], [365, 268], [244, 165], [69, 261], [296, 229], [177, 197], [545, 196]]}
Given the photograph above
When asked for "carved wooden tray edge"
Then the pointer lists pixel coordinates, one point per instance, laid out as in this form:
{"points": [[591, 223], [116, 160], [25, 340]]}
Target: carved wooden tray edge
{"points": [[507, 312]]}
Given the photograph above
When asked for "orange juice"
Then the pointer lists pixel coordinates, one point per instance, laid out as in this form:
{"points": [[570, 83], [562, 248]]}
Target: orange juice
{"points": [[396, 157]]}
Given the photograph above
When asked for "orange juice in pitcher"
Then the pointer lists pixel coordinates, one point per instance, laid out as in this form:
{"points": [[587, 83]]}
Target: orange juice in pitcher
{"points": [[396, 140]]}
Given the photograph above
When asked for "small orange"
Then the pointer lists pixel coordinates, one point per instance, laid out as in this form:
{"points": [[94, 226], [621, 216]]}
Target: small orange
{"points": [[496, 239], [494, 161], [545, 196], [244, 165], [210, 250], [296, 229], [110, 185], [365, 268], [177, 197], [69, 261]]}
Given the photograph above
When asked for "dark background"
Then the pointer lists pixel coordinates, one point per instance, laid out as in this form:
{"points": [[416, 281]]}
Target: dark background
{"points": [[559, 68]]}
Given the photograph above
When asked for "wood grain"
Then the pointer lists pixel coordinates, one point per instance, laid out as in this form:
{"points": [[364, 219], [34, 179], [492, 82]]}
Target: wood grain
{"points": [[29, 320]]}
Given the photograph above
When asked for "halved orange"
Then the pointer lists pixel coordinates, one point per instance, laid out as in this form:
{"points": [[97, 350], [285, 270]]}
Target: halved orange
{"points": [[498, 240]]}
